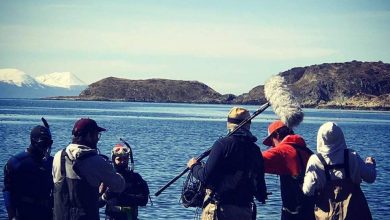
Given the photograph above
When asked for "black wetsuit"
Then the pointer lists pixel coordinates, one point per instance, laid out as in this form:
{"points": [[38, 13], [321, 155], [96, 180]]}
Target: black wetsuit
{"points": [[28, 185], [124, 206]]}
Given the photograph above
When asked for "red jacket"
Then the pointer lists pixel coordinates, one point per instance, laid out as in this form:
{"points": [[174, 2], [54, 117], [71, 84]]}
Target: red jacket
{"points": [[283, 159]]}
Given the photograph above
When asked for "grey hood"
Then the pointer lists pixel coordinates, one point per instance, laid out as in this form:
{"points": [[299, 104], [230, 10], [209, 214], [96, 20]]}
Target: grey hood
{"points": [[330, 139]]}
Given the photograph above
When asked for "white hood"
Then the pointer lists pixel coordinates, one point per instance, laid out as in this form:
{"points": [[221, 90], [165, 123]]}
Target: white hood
{"points": [[330, 139]]}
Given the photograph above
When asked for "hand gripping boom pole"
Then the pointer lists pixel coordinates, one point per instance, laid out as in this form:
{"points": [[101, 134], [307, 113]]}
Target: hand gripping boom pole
{"points": [[207, 152], [283, 103]]}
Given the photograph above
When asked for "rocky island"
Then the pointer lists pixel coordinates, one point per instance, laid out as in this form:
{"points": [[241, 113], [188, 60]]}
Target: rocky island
{"points": [[350, 85]]}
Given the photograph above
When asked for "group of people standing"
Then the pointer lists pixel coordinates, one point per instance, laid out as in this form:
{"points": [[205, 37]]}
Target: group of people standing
{"points": [[79, 180], [76, 182], [325, 185]]}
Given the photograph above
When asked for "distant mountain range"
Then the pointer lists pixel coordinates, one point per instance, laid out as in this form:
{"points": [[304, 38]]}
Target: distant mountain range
{"points": [[351, 85], [15, 83]]}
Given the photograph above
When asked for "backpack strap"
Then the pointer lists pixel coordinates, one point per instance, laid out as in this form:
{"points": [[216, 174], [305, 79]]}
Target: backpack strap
{"points": [[301, 163], [328, 167], [346, 163], [63, 168]]}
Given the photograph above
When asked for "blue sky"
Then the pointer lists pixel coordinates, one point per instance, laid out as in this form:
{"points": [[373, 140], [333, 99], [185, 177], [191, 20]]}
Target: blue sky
{"points": [[232, 46]]}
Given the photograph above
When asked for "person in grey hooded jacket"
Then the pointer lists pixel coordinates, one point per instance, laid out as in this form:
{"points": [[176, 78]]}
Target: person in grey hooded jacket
{"points": [[78, 171], [334, 175]]}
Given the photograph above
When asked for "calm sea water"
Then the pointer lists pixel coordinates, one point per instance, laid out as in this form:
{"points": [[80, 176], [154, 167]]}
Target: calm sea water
{"points": [[165, 136]]}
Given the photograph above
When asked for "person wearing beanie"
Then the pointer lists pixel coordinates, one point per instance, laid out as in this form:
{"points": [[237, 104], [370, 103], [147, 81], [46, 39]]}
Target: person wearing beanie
{"points": [[287, 157], [28, 182], [334, 175], [78, 171], [124, 205], [233, 173]]}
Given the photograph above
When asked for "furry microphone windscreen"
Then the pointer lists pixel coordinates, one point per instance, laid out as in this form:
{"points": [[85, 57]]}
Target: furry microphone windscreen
{"points": [[283, 102]]}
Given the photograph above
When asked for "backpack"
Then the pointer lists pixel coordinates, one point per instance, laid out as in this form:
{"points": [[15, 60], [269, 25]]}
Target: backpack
{"points": [[341, 199]]}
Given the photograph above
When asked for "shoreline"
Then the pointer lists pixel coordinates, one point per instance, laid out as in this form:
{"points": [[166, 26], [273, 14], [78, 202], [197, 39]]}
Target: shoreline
{"points": [[321, 106]]}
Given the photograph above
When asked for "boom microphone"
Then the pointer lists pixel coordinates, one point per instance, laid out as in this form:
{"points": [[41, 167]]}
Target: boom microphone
{"points": [[283, 102]]}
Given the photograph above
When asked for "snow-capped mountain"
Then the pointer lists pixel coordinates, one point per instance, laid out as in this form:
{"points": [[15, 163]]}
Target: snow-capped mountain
{"points": [[60, 79], [17, 77], [15, 83]]}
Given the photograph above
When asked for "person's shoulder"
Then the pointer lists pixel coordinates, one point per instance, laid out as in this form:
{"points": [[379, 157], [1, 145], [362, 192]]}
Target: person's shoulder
{"points": [[19, 157], [222, 141], [18, 160], [56, 154], [283, 147], [352, 151], [50, 160], [314, 161], [134, 174], [99, 160], [353, 155]]}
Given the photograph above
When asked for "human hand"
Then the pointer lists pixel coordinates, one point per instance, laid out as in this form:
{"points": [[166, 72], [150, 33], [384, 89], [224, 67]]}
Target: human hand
{"points": [[370, 160], [102, 188], [191, 162]]}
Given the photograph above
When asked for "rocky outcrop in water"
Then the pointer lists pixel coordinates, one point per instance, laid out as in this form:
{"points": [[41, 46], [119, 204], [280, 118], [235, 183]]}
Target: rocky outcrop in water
{"points": [[351, 85], [341, 85], [152, 90]]}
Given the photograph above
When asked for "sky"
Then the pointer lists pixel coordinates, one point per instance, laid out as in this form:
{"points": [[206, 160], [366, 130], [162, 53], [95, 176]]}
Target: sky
{"points": [[232, 46]]}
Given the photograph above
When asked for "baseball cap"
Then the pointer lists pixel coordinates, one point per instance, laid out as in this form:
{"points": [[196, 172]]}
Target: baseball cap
{"points": [[272, 128], [85, 125]]}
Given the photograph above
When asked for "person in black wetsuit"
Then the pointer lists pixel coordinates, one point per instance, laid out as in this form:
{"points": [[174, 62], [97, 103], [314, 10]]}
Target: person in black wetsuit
{"points": [[28, 181], [124, 206]]}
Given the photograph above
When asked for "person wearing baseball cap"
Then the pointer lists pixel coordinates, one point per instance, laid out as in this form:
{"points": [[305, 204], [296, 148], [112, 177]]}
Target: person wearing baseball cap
{"points": [[28, 181], [78, 171], [233, 173], [287, 157]]}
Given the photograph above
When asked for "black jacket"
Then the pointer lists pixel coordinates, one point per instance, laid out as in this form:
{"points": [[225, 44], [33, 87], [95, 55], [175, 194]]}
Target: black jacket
{"points": [[234, 170]]}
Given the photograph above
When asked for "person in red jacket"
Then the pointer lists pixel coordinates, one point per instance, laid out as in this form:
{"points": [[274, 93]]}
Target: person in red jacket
{"points": [[287, 158]]}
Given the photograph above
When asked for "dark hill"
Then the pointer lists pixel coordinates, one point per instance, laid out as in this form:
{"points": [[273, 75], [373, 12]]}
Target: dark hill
{"points": [[253, 97], [354, 85], [151, 90]]}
